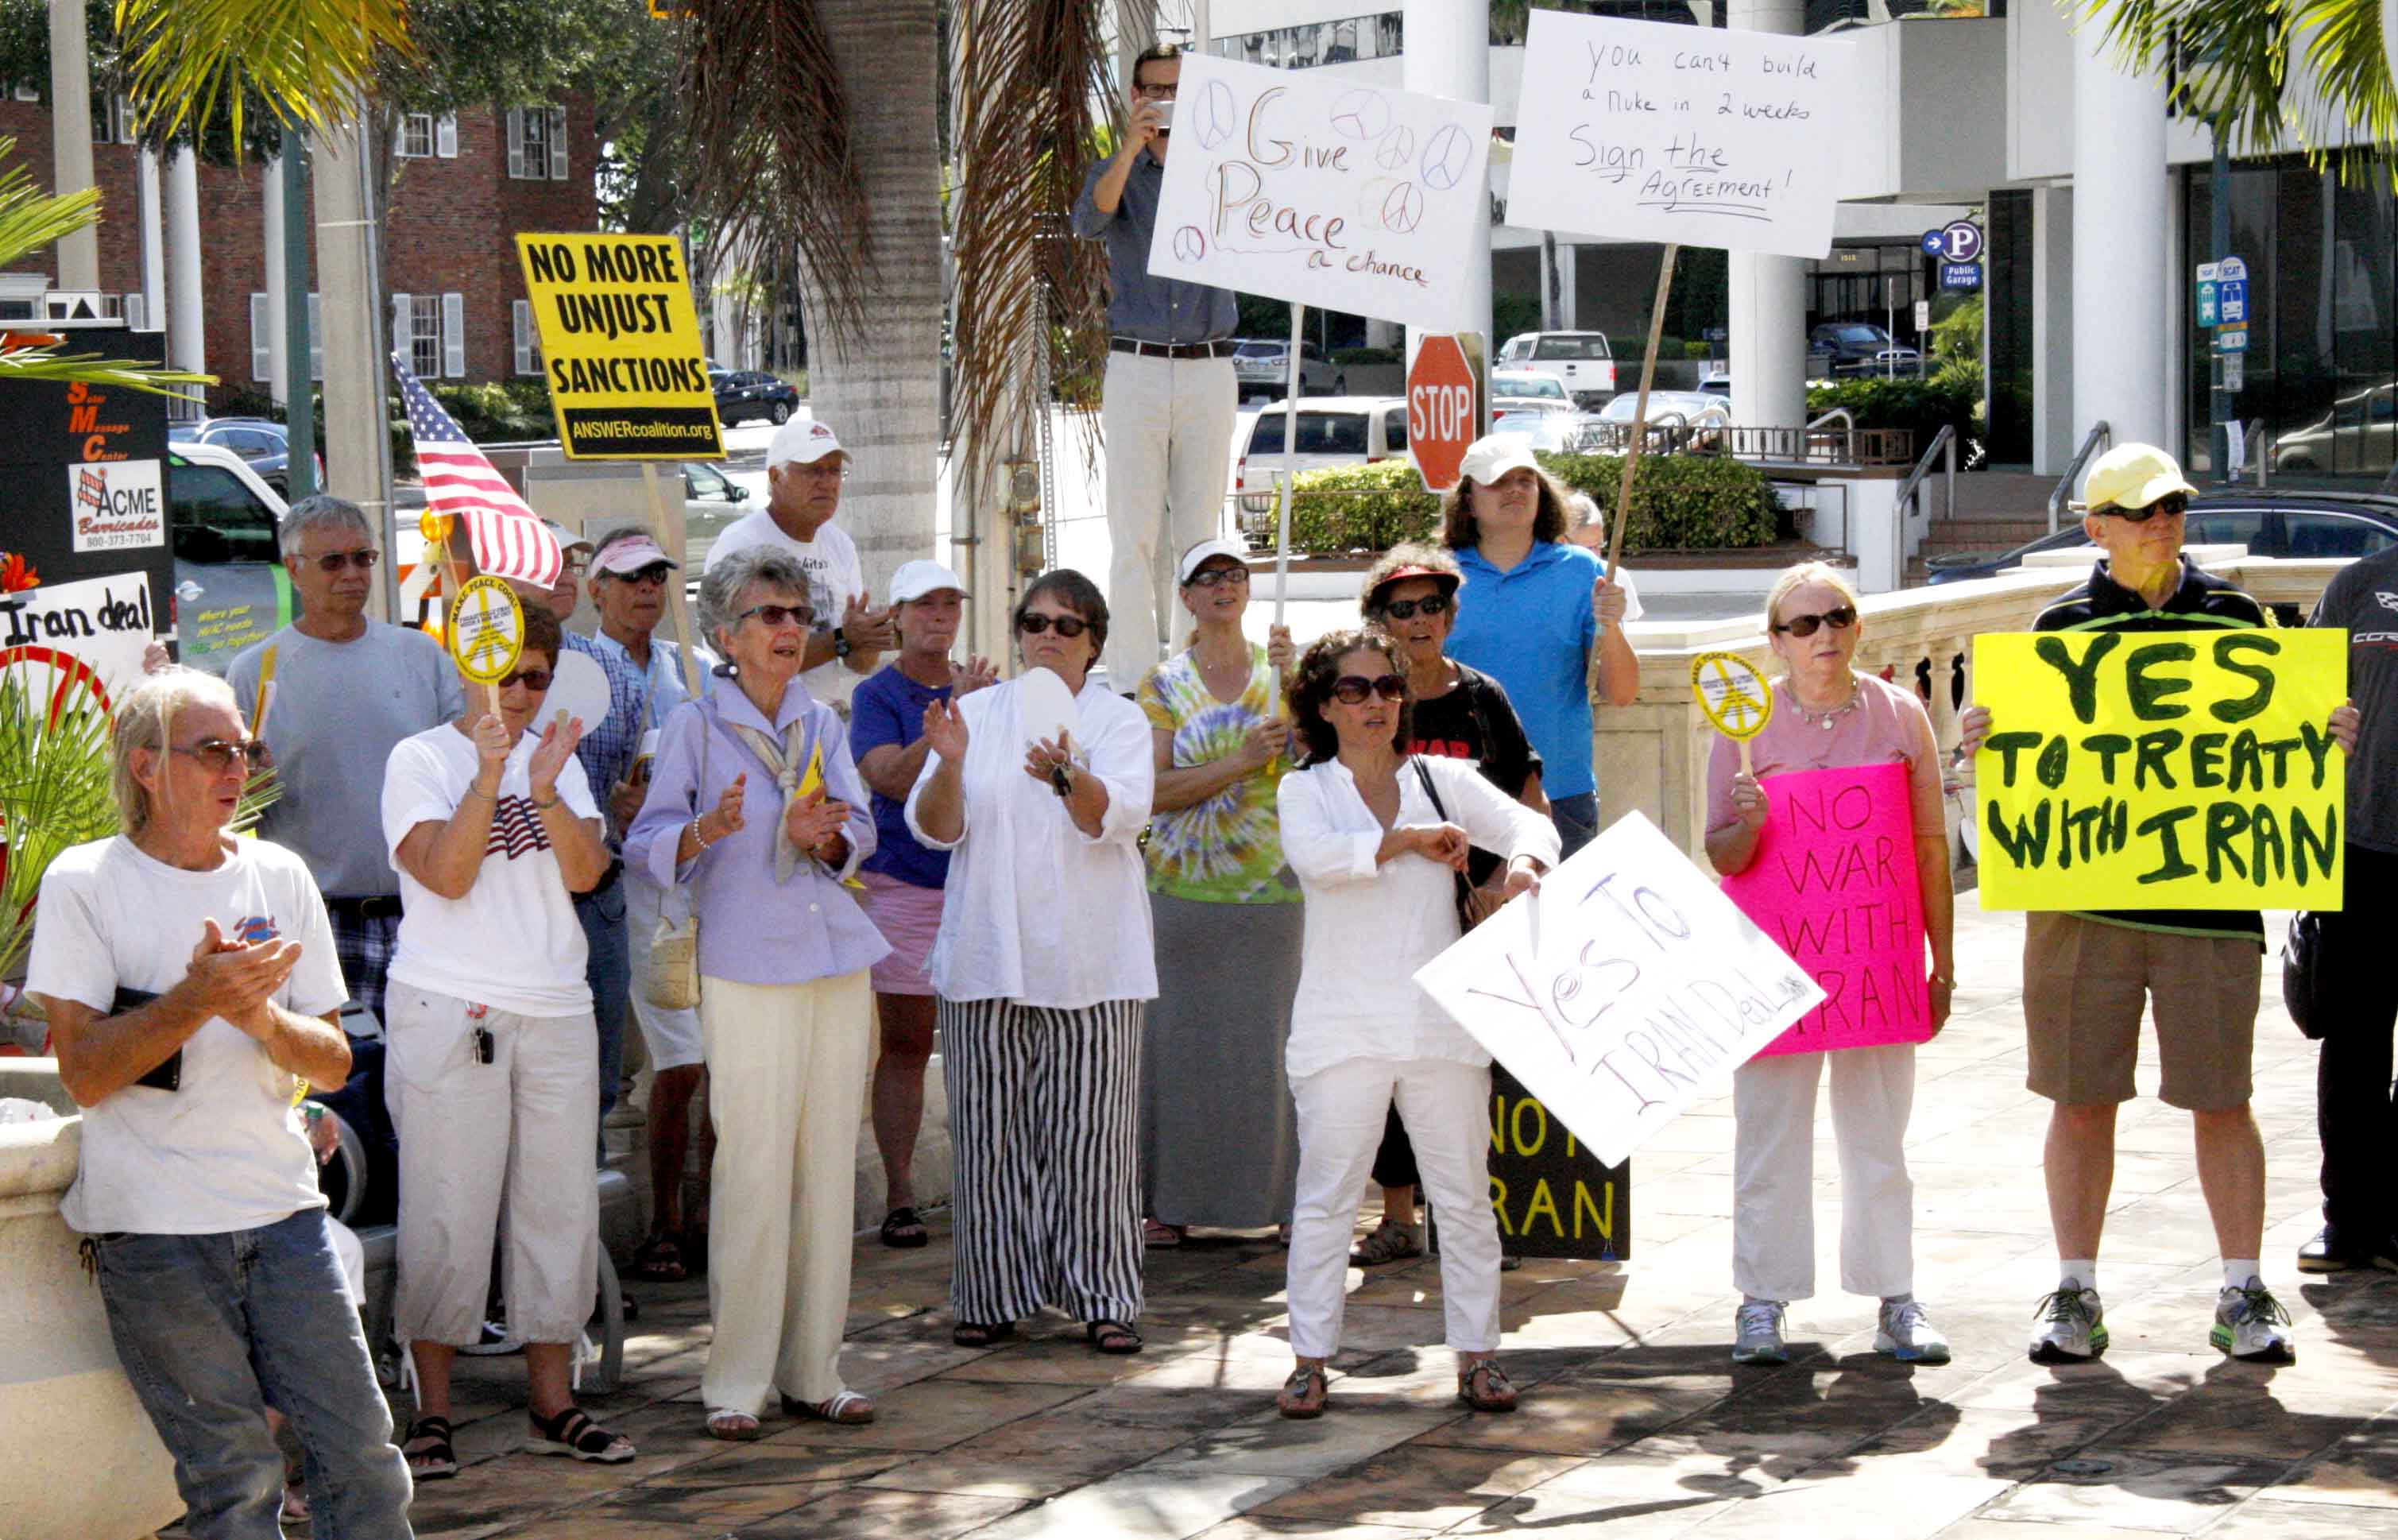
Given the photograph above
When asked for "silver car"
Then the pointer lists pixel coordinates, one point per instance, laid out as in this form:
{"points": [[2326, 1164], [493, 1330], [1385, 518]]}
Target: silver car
{"points": [[1264, 368]]}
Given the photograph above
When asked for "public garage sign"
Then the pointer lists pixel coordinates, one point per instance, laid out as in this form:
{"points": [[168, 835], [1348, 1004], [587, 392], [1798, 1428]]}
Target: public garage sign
{"points": [[620, 347]]}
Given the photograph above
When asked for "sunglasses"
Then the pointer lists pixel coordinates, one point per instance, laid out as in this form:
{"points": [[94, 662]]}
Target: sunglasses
{"points": [[1353, 689], [2173, 505], [801, 615], [1208, 578], [655, 572], [215, 754], [1839, 619], [335, 561], [1403, 609], [536, 680], [1069, 627]]}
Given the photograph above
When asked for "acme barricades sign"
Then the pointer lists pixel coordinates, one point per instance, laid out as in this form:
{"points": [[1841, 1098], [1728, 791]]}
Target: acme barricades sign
{"points": [[620, 346]]}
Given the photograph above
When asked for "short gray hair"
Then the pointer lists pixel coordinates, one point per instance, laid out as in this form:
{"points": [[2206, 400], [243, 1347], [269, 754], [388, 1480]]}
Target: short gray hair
{"points": [[322, 512], [145, 719], [725, 583]]}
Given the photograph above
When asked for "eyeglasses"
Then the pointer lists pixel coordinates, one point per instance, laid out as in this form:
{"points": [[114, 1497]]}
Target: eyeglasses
{"points": [[215, 754], [1403, 609], [1069, 626], [1353, 689], [536, 680], [1839, 619], [1155, 92], [2173, 505], [801, 615], [655, 572], [334, 561], [1209, 578]]}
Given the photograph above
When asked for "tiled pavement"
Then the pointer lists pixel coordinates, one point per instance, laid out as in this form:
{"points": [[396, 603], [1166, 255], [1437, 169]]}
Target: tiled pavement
{"points": [[1634, 1424]]}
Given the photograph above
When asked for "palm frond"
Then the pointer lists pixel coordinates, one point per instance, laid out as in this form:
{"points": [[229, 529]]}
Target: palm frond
{"points": [[767, 133], [41, 363], [31, 219], [308, 62], [54, 787], [1025, 73]]}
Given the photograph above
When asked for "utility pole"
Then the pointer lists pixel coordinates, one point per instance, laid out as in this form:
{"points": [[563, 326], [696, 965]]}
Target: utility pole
{"points": [[357, 436], [2218, 400], [300, 407]]}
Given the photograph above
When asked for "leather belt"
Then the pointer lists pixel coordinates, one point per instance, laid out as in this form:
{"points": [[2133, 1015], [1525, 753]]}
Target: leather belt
{"points": [[385, 906], [1222, 349], [615, 869]]}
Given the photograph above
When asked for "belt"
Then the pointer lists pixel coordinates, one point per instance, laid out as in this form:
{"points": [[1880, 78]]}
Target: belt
{"points": [[382, 908], [1221, 349], [615, 869]]}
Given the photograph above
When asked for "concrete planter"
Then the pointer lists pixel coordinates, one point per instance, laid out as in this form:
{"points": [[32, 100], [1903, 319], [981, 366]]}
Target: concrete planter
{"points": [[84, 1463]]}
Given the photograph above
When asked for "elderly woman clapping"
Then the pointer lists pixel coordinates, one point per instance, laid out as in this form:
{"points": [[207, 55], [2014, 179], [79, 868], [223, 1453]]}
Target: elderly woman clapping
{"points": [[755, 808]]}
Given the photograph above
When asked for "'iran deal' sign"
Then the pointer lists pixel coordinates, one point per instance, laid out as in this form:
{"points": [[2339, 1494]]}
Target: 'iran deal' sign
{"points": [[1323, 191], [1638, 130], [1627, 988]]}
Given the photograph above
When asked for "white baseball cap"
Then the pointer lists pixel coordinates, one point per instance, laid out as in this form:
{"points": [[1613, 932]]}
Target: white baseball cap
{"points": [[801, 441], [1493, 456], [915, 579], [1206, 550]]}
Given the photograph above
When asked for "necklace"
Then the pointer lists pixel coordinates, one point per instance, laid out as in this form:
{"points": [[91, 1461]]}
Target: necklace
{"points": [[1827, 720]]}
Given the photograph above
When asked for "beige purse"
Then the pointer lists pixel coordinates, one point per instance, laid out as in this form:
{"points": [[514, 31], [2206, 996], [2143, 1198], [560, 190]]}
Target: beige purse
{"points": [[671, 982]]}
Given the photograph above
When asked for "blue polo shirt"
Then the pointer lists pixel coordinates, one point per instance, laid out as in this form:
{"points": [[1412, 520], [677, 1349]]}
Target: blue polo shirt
{"points": [[1532, 628]]}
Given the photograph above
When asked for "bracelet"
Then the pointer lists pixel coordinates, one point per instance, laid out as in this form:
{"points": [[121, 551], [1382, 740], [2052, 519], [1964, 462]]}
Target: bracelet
{"points": [[696, 835], [487, 796], [1946, 983], [545, 806]]}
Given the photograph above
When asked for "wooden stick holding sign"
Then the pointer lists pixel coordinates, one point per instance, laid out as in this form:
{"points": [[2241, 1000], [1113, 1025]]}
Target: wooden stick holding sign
{"points": [[675, 602], [487, 634], [1640, 411], [1736, 697], [1290, 480]]}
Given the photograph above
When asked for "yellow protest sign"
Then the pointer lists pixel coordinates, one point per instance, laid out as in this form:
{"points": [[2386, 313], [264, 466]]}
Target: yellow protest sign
{"points": [[1733, 693], [620, 344], [486, 629], [2160, 769]]}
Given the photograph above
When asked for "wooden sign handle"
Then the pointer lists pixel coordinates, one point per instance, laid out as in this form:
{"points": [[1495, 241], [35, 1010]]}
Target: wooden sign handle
{"points": [[1641, 408]]}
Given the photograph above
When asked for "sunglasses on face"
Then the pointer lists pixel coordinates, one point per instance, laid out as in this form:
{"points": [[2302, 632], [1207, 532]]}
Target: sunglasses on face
{"points": [[1839, 617], [653, 574], [334, 561], [536, 680], [214, 755], [801, 615], [1353, 689], [1403, 609], [1208, 578], [1069, 627], [2173, 505]]}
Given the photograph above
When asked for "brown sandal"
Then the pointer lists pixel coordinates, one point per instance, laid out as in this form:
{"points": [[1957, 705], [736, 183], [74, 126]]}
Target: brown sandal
{"points": [[1483, 1385], [1304, 1394]]}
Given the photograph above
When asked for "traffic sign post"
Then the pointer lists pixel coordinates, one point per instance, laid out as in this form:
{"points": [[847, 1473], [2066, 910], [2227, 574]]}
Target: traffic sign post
{"points": [[1445, 395], [2232, 337]]}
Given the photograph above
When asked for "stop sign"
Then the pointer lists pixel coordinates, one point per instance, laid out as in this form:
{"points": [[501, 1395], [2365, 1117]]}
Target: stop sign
{"points": [[1444, 410]]}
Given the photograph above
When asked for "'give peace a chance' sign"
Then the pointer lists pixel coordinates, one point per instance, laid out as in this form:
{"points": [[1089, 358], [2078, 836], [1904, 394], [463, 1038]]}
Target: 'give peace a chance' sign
{"points": [[1323, 191], [1639, 131]]}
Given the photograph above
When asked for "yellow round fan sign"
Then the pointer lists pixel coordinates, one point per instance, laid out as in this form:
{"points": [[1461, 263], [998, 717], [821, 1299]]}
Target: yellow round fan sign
{"points": [[486, 629], [1733, 693]]}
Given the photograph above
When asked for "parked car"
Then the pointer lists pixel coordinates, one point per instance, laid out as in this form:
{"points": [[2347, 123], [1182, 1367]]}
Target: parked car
{"points": [[1859, 347], [263, 442], [1527, 388], [1264, 368], [224, 524], [1537, 407], [711, 501], [1333, 431], [1581, 360], [742, 393], [1716, 381]]}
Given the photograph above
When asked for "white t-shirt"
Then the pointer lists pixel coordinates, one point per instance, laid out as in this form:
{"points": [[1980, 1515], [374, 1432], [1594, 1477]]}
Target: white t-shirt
{"points": [[513, 942], [835, 575], [225, 1150]]}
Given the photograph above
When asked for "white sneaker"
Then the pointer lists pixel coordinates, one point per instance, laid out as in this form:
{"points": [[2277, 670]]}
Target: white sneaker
{"points": [[2073, 1325], [2248, 1325], [1757, 1328], [1906, 1334]]}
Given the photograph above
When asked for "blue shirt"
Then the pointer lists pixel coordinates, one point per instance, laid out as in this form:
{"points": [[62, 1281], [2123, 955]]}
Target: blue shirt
{"points": [[1531, 627], [1139, 302], [889, 707]]}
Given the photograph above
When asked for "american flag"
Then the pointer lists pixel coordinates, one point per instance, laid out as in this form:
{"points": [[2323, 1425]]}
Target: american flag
{"points": [[509, 539]]}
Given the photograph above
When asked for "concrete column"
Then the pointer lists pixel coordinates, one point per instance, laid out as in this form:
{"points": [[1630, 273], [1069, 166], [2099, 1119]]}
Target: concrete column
{"points": [[1767, 317], [2053, 435], [2119, 247], [1449, 54], [154, 241], [357, 447], [71, 136], [186, 325], [1568, 266], [278, 335]]}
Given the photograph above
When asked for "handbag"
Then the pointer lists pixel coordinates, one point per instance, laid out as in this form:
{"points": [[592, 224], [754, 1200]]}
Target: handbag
{"points": [[2301, 962], [671, 981], [1474, 905]]}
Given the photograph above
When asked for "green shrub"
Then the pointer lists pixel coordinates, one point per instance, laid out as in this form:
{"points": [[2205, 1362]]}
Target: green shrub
{"points": [[1697, 350], [1952, 397]]}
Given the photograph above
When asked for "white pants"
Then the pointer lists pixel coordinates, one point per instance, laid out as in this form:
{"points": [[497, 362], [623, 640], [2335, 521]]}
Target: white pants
{"points": [[786, 1076], [473, 1135], [672, 1037], [1774, 1172], [1341, 1110], [1168, 427]]}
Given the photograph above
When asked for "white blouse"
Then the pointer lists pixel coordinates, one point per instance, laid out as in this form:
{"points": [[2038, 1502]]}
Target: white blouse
{"points": [[1035, 910], [1370, 926]]}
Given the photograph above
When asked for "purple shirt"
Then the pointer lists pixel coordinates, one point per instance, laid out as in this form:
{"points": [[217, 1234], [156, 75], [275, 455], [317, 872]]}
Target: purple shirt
{"points": [[752, 928]]}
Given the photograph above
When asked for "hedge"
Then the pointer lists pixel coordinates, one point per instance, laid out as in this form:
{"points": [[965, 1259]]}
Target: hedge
{"points": [[1681, 502], [1951, 396]]}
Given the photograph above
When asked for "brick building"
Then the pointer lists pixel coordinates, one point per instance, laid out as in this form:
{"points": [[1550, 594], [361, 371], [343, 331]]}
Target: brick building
{"points": [[466, 183]]}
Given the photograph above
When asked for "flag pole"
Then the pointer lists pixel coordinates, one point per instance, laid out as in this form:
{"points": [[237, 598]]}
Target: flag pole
{"points": [[1290, 479]]}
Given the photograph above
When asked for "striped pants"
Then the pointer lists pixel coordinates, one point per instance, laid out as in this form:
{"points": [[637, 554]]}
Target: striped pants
{"points": [[1045, 1118]]}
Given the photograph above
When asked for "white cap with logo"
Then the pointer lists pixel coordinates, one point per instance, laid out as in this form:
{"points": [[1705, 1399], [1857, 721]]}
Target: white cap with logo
{"points": [[915, 579], [801, 441]]}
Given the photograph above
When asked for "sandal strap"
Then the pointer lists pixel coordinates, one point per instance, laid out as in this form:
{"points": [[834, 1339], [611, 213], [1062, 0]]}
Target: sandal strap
{"points": [[574, 1428]]}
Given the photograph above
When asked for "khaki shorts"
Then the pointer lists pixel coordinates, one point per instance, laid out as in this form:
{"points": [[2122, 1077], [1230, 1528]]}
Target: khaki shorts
{"points": [[2085, 985]]}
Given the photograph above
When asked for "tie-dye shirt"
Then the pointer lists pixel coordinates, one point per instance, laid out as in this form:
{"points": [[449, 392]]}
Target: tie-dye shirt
{"points": [[1227, 848]]}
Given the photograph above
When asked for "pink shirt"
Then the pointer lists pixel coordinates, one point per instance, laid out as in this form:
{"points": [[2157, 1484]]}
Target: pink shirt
{"points": [[1888, 727]]}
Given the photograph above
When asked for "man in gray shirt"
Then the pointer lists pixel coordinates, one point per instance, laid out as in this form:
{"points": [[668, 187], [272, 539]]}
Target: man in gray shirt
{"points": [[331, 694], [1170, 402]]}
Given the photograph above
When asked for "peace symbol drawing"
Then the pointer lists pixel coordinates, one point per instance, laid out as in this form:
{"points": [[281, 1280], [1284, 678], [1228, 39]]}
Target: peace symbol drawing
{"points": [[1189, 244], [1214, 115], [1733, 693], [486, 629], [1403, 208], [1361, 114], [1397, 148], [1446, 157]]}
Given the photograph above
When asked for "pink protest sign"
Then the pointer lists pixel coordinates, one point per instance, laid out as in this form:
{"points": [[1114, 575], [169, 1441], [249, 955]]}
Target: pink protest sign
{"points": [[1834, 884]]}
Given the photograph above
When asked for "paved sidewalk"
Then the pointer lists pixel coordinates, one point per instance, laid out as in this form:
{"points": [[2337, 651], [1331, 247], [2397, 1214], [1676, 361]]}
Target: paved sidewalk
{"points": [[1635, 1424]]}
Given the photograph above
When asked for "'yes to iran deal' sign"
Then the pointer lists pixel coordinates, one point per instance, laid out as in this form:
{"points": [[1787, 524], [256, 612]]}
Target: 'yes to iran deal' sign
{"points": [[1323, 191]]}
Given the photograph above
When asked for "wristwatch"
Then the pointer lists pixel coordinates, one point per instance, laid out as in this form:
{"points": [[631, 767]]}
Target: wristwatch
{"points": [[841, 645]]}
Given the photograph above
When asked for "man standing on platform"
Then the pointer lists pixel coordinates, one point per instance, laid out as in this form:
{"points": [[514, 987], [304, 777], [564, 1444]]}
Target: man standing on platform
{"points": [[1170, 402]]}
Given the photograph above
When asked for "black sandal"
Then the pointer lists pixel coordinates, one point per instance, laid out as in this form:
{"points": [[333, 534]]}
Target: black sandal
{"points": [[437, 1461], [573, 1434], [904, 1228], [1113, 1337], [660, 1261], [981, 1334]]}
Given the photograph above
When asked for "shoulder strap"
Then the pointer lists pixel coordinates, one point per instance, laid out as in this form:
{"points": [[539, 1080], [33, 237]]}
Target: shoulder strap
{"points": [[1430, 791]]}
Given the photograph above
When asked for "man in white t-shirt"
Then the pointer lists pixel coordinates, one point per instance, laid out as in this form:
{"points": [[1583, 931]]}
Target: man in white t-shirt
{"points": [[805, 468], [192, 987]]}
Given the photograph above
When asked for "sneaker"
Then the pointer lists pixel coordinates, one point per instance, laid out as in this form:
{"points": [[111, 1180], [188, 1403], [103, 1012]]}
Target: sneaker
{"points": [[2330, 1252], [1906, 1334], [2073, 1325], [495, 1342], [2248, 1325], [1757, 1328]]}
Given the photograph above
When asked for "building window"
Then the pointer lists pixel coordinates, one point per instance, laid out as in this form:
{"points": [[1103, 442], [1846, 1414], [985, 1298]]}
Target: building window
{"points": [[537, 144], [1314, 43], [425, 135], [423, 314], [27, 90], [528, 338], [112, 119]]}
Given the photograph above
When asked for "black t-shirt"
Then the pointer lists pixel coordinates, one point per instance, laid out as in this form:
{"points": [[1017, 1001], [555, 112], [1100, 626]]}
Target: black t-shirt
{"points": [[1476, 722], [2365, 600]]}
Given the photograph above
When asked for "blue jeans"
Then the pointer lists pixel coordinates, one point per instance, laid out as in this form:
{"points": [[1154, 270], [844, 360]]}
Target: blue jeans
{"points": [[1577, 821], [610, 974], [212, 1330]]}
